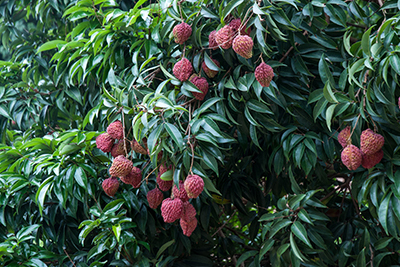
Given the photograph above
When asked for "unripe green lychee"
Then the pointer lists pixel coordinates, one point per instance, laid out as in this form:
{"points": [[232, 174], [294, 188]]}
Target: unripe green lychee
{"points": [[110, 186], [264, 74], [116, 130], [189, 211], [171, 209], [134, 177], [243, 46], [180, 193], [120, 166], [188, 226], [212, 44], [182, 32], [194, 185], [183, 69], [371, 142], [351, 157], [344, 136], [104, 142], [369, 161], [154, 197], [224, 37], [209, 72], [202, 84]]}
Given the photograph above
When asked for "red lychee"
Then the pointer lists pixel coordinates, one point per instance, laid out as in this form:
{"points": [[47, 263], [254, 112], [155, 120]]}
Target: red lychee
{"points": [[120, 166], [188, 226], [194, 185], [235, 24], [224, 37], [211, 40], [163, 185], [110, 186], [116, 130], [344, 136], [189, 211], [182, 32], [209, 72], [118, 149], [134, 177], [104, 142], [371, 142], [243, 46], [154, 197], [202, 84], [138, 148], [369, 161], [171, 209], [183, 69], [264, 74], [351, 157], [180, 193]]}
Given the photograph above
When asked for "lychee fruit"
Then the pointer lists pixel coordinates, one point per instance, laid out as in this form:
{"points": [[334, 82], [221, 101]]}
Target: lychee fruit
{"points": [[209, 72], [120, 166], [104, 142], [351, 157], [189, 211], [182, 32], [154, 197], [134, 177], [369, 161], [202, 84], [118, 149], [183, 69], [181, 192], [194, 185], [171, 209], [224, 37], [398, 102], [163, 185], [110, 186], [116, 130], [243, 46], [264, 74], [138, 148], [188, 226], [371, 142], [344, 136], [235, 24], [212, 44]]}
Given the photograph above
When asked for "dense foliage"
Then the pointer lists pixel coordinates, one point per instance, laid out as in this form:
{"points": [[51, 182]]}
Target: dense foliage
{"points": [[276, 191]]}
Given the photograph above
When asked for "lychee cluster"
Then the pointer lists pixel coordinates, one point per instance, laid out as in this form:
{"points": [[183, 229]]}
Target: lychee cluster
{"points": [[368, 155]]}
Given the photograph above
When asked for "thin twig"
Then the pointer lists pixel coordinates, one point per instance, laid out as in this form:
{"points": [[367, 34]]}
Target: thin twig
{"points": [[222, 226], [65, 251]]}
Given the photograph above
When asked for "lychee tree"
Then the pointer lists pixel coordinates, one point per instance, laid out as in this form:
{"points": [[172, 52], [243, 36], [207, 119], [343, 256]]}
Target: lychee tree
{"points": [[199, 133]]}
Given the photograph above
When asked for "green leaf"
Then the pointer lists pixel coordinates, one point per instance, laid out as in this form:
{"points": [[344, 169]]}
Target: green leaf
{"points": [[383, 212], [329, 114], [328, 94], [205, 106], [167, 176], [229, 8], [117, 231], [266, 247], [210, 63], [365, 42], [175, 134], [245, 256], [278, 225], [42, 191], [164, 247], [81, 178], [295, 249], [325, 72], [299, 230], [50, 45], [382, 243]]}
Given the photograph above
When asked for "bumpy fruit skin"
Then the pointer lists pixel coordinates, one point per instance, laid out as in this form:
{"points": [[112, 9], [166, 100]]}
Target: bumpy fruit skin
{"points": [[243, 46], [398, 102], [171, 209], [369, 161], [351, 157], [211, 40], [154, 197], [163, 185], [118, 149], [133, 178], [235, 24], [180, 193], [264, 74], [110, 186], [189, 212], [104, 142], [138, 148], [183, 69], [194, 185], [182, 32], [224, 37], [188, 226], [202, 84], [209, 72], [344, 136], [120, 166], [116, 130], [371, 142]]}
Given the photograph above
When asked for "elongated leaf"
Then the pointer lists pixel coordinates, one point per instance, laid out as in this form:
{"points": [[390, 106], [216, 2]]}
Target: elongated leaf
{"points": [[175, 134], [299, 230]]}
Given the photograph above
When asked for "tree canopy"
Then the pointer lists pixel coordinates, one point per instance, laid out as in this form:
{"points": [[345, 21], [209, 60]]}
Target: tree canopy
{"points": [[281, 188]]}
